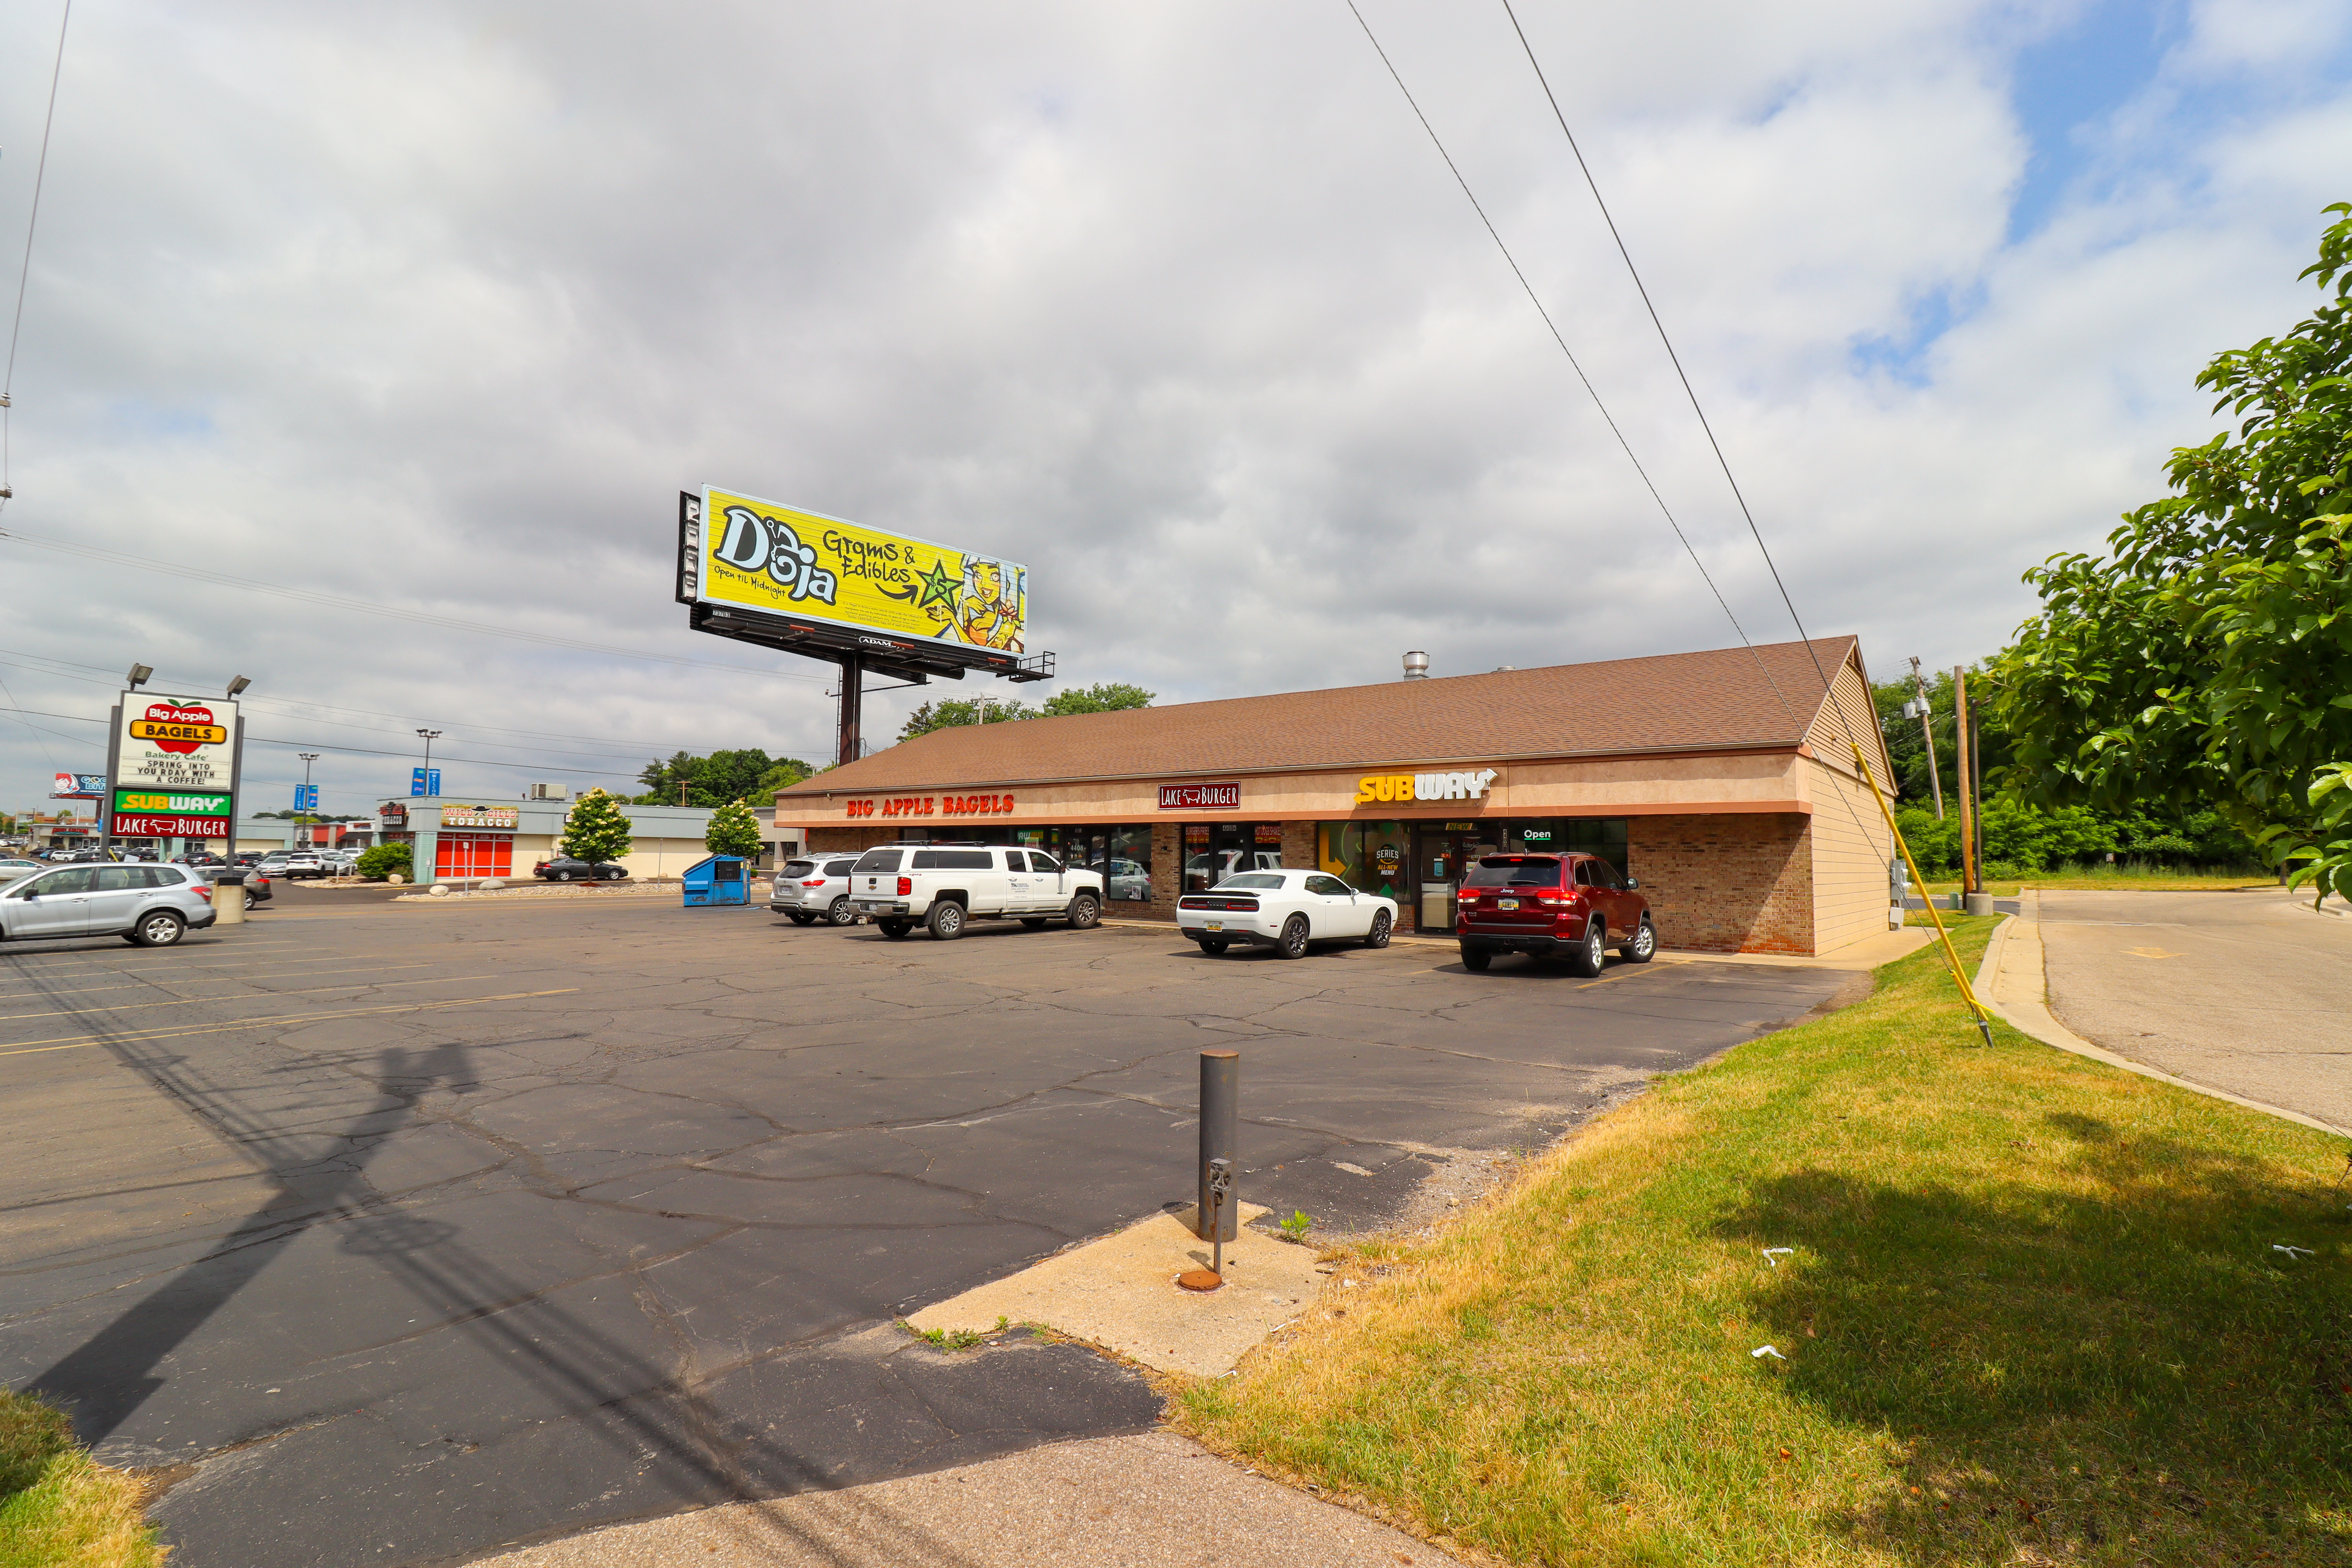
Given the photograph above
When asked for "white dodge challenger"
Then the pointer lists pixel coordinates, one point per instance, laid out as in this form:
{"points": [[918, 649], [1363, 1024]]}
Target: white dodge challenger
{"points": [[1284, 910]]}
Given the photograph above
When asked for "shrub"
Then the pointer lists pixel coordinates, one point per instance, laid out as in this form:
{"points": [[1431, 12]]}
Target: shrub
{"points": [[380, 861]]}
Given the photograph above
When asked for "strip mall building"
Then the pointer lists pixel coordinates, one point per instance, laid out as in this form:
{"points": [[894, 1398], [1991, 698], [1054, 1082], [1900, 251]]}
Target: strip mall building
{"points": [[1725, 780]]}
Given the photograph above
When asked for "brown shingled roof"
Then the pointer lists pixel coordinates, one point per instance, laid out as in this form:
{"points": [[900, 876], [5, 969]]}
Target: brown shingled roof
{"points": [[1716, 700]]}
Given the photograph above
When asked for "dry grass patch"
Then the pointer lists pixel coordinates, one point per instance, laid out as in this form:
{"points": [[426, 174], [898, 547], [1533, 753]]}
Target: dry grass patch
{"points": [[2030, 1312], [59, 1509]]}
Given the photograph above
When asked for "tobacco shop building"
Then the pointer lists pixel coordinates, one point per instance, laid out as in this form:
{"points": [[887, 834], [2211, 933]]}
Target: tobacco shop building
{"points": [[1724, 780]]}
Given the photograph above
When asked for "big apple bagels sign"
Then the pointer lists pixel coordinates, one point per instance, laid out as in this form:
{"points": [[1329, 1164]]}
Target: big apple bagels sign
{"points": [[174, 767]]}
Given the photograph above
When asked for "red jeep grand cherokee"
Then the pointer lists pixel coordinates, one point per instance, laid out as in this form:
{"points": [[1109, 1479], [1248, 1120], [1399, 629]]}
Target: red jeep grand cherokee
{"points": [[1544, 904]]}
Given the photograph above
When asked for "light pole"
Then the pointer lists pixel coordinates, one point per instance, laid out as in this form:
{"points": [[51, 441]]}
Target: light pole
{"points": [[429, 736]]}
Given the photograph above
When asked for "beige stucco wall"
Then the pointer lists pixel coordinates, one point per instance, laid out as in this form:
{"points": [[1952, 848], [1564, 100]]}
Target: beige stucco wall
{"points": [[1672, 785]]}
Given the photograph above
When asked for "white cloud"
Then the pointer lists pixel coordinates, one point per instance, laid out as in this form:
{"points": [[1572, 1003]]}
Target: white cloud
{"points": [[444, 304]]}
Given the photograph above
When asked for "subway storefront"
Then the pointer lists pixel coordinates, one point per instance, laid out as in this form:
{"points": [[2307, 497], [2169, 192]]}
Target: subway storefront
{"points": [[1724, 780]]}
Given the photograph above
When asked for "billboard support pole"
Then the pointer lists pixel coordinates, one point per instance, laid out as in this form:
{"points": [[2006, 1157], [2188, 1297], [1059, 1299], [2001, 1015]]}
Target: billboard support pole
{"points": [[853, 694], [114, 770]]}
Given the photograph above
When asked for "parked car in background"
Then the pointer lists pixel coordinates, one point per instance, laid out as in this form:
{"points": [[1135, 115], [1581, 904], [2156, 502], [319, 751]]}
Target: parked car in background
{"points": [[564, 868], [245, 858], [292, 864], [814, 889], [1285, 911], [258, 889], [1543, 905], [946, 886], [198, 857], [151, 906], [14, 867]]}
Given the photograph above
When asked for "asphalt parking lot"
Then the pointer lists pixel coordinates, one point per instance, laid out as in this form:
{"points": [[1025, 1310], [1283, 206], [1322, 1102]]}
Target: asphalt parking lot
{"points": [[394, 1233]]}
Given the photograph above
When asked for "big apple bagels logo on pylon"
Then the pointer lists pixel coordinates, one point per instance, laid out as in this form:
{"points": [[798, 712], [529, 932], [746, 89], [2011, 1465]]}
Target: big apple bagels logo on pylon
{"points": [[179, 727]]}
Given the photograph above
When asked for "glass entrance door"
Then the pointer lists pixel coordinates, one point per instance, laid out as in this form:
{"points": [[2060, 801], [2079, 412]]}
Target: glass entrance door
{"points": [[1442, 852]]}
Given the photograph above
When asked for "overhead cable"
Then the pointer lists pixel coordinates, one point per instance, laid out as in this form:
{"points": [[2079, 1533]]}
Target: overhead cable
{"points": [[423, 618], [24, 272], [1591, 391]]}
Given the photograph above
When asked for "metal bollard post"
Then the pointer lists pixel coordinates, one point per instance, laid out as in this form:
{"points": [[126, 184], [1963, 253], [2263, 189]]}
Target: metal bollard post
{"points": [[228, 902], [1220, 1095]]}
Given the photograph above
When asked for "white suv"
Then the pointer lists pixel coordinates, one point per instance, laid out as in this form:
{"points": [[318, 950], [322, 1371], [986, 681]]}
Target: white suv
{"points": [[292, 863], [945, 885]]}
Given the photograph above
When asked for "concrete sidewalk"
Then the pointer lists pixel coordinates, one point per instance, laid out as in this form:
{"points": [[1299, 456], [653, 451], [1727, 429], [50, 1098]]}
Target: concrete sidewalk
{"points": [[1151, 1500]]}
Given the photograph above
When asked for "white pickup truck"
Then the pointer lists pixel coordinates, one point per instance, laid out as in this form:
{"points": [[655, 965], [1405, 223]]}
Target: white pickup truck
{"points": [[946, 886]]}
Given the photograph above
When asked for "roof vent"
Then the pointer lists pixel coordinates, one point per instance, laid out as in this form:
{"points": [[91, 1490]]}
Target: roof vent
{"points": [[1416, 666]]}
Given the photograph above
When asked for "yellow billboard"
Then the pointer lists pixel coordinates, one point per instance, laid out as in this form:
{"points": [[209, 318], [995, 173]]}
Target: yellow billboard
{"points": [[786, 562]]}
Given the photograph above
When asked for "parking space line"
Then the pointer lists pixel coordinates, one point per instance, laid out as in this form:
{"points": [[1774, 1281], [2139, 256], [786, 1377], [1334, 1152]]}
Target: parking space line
{"points": [[202, 1001], [89, 990], [67, 1043]]}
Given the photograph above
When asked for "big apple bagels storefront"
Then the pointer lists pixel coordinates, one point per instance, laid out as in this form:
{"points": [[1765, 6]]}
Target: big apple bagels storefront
{"points": [[1724, 780]]}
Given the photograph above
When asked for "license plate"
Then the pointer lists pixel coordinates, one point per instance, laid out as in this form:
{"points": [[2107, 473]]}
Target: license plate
{"points": [[1214, 925], [1507, 904]]}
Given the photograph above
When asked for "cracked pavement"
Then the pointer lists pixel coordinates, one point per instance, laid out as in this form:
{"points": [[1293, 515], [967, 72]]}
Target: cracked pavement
{"points": [[398, 1233]]}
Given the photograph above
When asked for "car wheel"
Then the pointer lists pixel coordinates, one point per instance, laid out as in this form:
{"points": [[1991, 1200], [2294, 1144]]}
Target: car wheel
{"points": [[562, 876], [1592, 951], [839, 912], [158, 927], [1213, 947], [1034, 922], [893, 929], [946, 920], [1378, 936], [1083, 911], [800, 920], [1645, 945], [1293, 941], [1475, 959]]}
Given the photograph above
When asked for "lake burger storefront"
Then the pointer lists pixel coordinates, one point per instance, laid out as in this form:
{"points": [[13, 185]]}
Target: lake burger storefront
{"points": [[1724, 780]]}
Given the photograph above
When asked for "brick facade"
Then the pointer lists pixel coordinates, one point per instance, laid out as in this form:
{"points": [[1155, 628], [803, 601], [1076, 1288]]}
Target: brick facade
{"points": [[1727, 884]]}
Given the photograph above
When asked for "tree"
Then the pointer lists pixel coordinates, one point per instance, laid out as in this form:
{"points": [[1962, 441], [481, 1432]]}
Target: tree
{"points": [[2207, 658], [710, 781], [734, 831], [947, 712], [596, 829], [1103, 698], [784, 772]]}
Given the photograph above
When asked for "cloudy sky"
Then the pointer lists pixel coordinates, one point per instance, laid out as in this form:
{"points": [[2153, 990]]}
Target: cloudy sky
{"points": [[437, 307]]}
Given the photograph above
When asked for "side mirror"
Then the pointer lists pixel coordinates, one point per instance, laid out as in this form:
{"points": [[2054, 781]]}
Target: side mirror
{"points": [[1631, 882]]}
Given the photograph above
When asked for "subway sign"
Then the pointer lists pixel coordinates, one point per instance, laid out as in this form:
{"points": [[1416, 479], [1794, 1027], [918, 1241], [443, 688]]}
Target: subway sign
{"points": [[202, 804], [171, 813], [1399, 788]]}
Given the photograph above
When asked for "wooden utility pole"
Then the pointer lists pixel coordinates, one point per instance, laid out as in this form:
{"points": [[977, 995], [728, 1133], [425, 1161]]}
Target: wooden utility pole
{"points": [[1965, 744], [1928, 736]]}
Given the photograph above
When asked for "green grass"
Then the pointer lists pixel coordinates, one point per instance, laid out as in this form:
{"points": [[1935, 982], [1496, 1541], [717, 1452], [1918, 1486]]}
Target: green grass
{"points": [[2029, 1310], [59, 1509], [956, 1339]]}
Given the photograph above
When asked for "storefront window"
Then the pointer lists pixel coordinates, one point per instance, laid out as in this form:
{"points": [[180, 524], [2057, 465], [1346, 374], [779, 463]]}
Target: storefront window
{"points": [[1214, 851], [1128, 877]]}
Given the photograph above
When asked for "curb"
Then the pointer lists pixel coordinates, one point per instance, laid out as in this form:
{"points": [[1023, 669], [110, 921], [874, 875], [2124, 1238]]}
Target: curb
{"points": [[2012, 983]]}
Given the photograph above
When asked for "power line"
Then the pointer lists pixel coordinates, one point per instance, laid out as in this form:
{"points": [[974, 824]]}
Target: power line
{"points": [[1535, 299], [39, 661], [25, 273], [423, 618], [1680, 375]]}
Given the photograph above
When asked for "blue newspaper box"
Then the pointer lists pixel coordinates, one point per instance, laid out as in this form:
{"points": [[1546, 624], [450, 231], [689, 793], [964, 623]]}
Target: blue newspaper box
{"points": [[722, 880]]}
